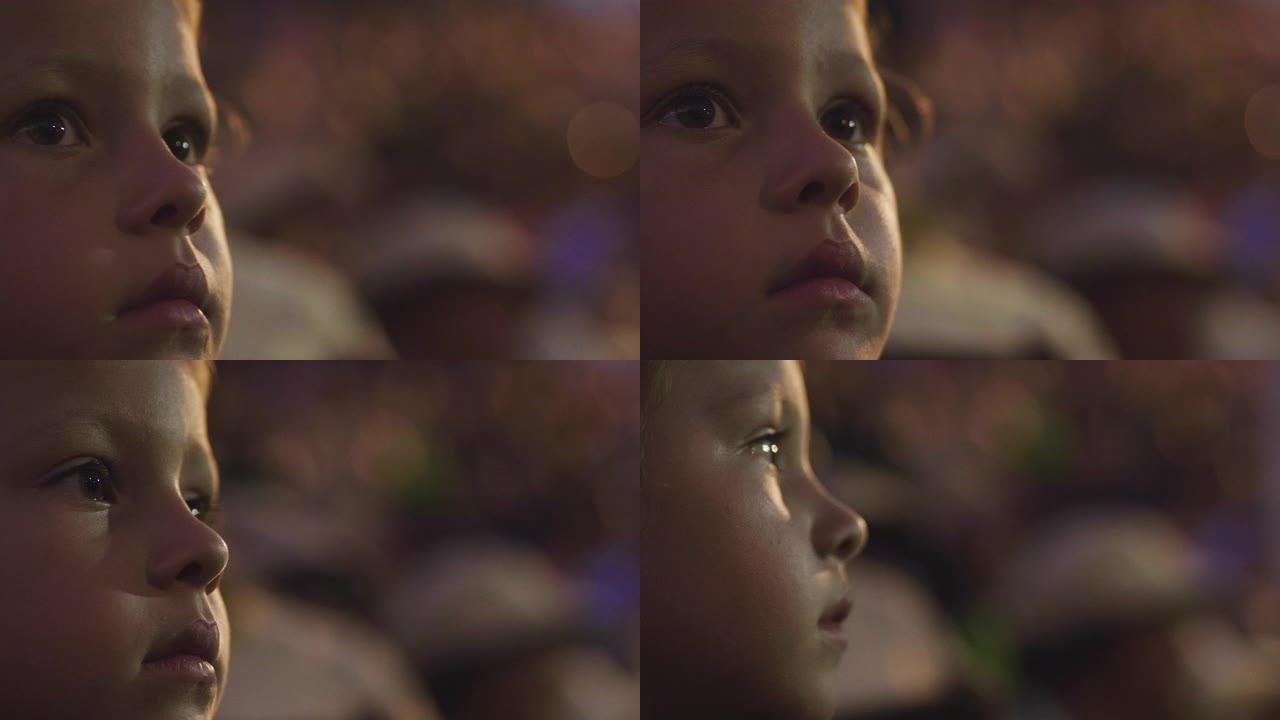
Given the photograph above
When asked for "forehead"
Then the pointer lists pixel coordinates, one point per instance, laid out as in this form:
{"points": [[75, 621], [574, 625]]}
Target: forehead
{"points": [[158, 400], [154, 38], [763, 32], [724, 387]]}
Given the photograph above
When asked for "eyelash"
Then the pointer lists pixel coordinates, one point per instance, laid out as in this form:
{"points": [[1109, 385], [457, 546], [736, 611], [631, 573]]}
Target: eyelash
{"points": [[206, 508], [770, 444], [868, 123], [200, 135]]}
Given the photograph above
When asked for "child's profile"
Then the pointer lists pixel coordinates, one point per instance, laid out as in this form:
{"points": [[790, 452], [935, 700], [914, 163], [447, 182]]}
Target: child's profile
{"points": [[111, 570], [769, 226], [744, 552], [111, 241]]}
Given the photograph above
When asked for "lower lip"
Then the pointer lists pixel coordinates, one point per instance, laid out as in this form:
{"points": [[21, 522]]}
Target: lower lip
{"points": [[185, 668], [834, 640], [825, 292], [167, 314]]}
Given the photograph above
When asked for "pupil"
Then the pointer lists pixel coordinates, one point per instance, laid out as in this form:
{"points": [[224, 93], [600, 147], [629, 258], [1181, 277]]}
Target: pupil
{"points": [[49, 131], [180, 147], [842, 126], [696, 113], [91, 482]]}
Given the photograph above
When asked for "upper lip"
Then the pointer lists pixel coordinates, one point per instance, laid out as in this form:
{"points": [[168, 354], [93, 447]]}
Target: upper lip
{"points": [[829, 259], [837, 612], [179, 282], [200, 639]]}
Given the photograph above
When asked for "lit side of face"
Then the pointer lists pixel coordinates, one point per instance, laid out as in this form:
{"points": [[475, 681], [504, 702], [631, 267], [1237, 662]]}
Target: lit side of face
{"points": [[768, 223], [112, 243], [107, 484], [744, 552]]}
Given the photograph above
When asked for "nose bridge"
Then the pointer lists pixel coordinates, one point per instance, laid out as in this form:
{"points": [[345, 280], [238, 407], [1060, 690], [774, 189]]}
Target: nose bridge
{"points": [[185, 551], [807, 166], [159, 192], [839, 532]]}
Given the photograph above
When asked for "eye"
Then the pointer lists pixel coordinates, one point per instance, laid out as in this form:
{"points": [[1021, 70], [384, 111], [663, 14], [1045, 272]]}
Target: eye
{"points": [[849, 122], [91, 481], [203, 506], [187, 142], [47, 126], [697, 109], [770, 447]]}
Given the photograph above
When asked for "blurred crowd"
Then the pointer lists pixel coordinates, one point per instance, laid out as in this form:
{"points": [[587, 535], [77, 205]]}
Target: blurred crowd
{"points": [[428, 180], [1054, 542], [425, 541], [1103, 181]]}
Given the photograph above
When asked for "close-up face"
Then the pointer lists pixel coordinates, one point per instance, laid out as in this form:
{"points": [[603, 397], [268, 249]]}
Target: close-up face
{"points": [[744, 552], [112, 243], [769, 225], [110, 571]]}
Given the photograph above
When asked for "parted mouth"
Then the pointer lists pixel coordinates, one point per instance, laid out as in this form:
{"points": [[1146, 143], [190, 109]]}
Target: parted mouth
{"points": [[829, 260], [834, 617], [182, 283], [201, 640]]}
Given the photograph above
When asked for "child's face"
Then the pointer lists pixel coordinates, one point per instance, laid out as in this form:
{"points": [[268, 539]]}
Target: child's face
{"points": [[107, 565], [111, 241], [769, 225], [744, 551]]}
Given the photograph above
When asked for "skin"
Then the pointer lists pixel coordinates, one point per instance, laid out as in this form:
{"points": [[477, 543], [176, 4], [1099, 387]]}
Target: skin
{"points": [[92, 215], [744, 551], [731, 209], [92, 586]]}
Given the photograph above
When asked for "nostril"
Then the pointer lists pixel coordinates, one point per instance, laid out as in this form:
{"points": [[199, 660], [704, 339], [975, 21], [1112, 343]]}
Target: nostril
{"points": [[812, 192], [192, 574], [165, 216]]}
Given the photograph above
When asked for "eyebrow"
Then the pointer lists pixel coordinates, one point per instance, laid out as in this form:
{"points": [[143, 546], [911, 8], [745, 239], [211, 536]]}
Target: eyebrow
{"points": [[775, 395], [120, 432], [181, 86], [695, 53]]}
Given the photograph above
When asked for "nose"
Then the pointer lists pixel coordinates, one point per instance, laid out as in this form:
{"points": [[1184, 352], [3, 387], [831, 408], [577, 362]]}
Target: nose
{"points": [[186, 553], [840, 533], [161, 193], [810, 169]]}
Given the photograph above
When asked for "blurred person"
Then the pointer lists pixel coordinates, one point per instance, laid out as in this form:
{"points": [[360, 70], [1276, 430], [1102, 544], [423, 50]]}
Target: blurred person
{"points": [[111, 240], [112, 570], [294, 306], [903, 663], [769, 224], [296, 660], [961, 302], [744, 553], [450, 279], [499, 632], [1112, 612], [1151, 262]]}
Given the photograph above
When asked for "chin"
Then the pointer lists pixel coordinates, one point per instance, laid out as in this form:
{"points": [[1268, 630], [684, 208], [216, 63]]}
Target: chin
{"points": [[834, 344]]}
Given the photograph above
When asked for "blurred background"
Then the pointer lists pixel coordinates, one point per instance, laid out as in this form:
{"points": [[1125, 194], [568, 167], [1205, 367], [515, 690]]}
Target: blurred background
{"points": [[1103, 181], [1058, 541], [415, 541], [428, 180]]}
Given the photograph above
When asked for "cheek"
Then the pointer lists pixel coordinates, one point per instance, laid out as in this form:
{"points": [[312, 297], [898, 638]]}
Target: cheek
{"points": [[211, 242], [57, 272], [701, 261], [731, 587], [224, 626], [63, 607]]}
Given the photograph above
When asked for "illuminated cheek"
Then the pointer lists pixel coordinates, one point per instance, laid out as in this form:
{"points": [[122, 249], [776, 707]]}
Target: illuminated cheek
{"points": [[774, 492]]}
